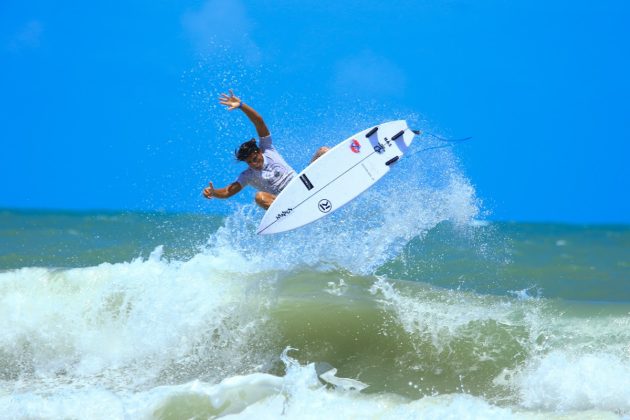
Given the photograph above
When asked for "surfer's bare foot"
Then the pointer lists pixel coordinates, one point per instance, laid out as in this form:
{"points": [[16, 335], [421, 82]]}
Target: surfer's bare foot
{"points": [[319, 153]]}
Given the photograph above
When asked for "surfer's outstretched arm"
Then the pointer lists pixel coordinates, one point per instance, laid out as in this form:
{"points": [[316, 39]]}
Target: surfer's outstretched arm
{"points": [[226, 192], [234, 102]]}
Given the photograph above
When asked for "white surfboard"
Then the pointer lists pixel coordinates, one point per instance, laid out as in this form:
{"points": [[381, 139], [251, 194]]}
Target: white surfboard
{"points": [[337, 177]]}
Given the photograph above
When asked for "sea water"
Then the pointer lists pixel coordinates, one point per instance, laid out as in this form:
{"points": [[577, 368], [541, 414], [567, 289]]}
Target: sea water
{"points": [[406, 289]]}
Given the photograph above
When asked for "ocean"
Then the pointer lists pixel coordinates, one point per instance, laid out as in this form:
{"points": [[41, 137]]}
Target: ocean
{"points": [[436, 313]]}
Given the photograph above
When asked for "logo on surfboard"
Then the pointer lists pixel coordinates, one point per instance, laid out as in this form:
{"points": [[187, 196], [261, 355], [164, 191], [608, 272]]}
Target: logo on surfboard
{"points": [[284, 213], [380, 147], [355, 146], [324, 206]]}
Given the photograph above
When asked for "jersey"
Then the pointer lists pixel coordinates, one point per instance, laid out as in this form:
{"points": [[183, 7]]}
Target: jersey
{"points": [[275, 174]]}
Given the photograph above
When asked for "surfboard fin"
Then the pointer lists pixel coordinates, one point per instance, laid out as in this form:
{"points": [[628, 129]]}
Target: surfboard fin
{"points": [[392, 160], [400, 133], [372, 131], [416, 132]]}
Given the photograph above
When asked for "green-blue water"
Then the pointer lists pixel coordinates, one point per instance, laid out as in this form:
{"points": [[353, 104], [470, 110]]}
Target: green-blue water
{"points": [[170, 316], [575, 262]]}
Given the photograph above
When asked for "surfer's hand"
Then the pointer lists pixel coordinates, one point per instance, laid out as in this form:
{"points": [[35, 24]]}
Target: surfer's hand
{"points": [[231, 101], [208, 192]]}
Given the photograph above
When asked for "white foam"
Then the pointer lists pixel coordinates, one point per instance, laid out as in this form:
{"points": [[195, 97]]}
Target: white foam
{"points": [[122, 319], [562, 381], [297, 395], [337, 289], [573, 363], [524, 294], [442, 315], [92, 403]]}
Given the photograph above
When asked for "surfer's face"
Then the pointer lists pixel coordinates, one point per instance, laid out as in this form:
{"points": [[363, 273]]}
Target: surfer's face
{"points": [[255, 160]]}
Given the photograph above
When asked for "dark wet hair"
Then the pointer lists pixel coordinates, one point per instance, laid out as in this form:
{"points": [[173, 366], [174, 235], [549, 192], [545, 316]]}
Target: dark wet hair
{"points": [[246, 149]]}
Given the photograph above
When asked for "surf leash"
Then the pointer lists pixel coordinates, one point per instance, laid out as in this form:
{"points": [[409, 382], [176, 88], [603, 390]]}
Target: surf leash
{"points": [[451, 141]]}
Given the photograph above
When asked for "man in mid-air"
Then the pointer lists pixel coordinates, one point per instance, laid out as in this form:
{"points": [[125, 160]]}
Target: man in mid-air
{"points": [[268, 172]]}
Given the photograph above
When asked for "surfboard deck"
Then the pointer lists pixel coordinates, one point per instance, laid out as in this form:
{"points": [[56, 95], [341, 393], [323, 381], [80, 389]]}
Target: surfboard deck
{"points": [[337, 177]]}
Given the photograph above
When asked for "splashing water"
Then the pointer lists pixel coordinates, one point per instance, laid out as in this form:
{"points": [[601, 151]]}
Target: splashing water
{"points": [[370, 230]]}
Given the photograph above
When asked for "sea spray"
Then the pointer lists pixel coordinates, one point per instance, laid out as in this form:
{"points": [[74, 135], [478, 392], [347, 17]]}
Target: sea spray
{"points": [[360, 237]]}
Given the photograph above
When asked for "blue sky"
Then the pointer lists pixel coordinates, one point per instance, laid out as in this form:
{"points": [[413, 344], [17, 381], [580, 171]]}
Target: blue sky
{"points": [[112, 106]]}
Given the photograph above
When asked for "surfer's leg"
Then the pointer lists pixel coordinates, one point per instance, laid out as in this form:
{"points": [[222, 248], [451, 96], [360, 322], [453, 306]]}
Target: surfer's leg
{"points": [[319, 153], [264, 199]]}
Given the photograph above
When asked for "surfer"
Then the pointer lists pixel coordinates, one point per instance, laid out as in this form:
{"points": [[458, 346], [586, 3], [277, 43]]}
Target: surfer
{"points": [[267, 171]]}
